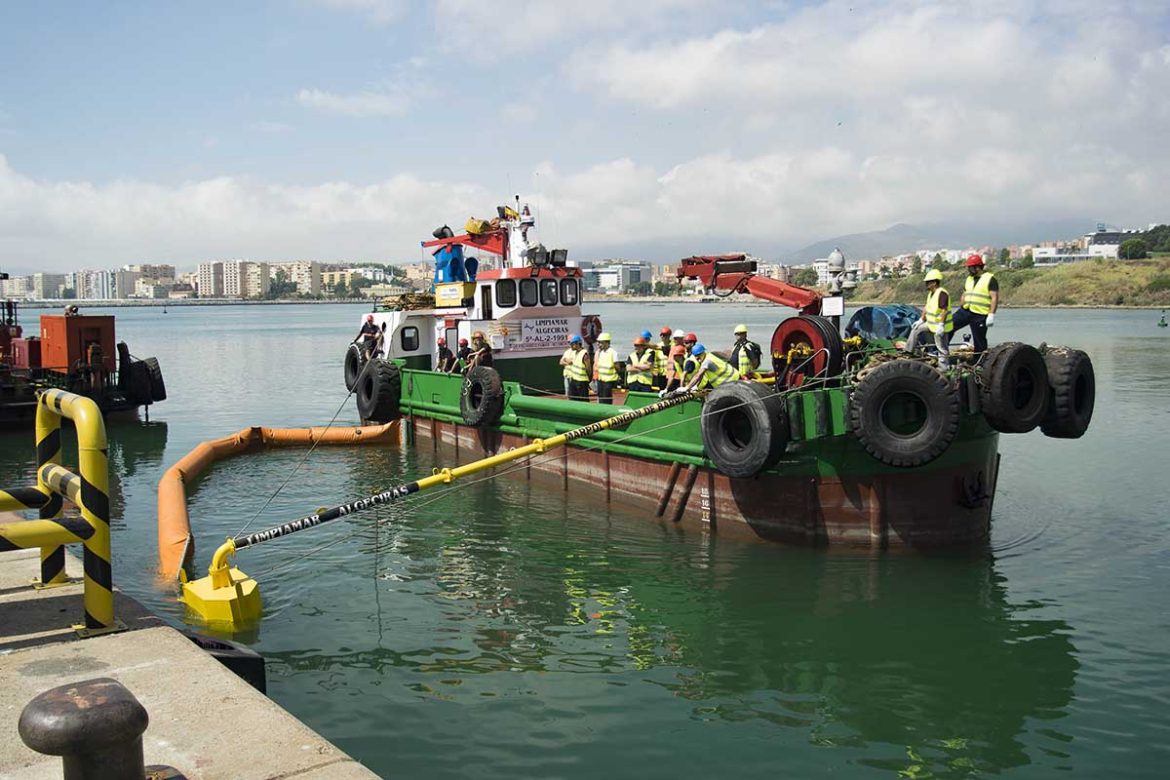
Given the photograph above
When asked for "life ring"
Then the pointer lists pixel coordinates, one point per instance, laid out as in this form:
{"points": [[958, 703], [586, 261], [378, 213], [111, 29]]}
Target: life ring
{"points": [[819, 337], [590, 328], [1072, 389], [481, 401], [904, 413], [1014, 387], [744, 427], [354, 359], [379, 392]]}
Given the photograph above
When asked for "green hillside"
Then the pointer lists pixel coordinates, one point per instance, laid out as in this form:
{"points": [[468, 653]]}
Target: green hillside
{"points": [[1091, 283]]}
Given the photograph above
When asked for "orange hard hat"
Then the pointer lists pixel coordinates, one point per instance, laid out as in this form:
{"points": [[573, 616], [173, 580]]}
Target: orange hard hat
{"points": [[974, 260], [666, 331], [639, 342]]}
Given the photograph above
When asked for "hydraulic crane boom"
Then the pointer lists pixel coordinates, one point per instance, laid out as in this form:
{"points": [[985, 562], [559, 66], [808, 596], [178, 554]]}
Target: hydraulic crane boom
{"points": [[737, 274]]}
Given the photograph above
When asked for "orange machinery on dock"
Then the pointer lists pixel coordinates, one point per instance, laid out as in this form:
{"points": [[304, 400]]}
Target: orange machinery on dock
{"points": [[71, 341]]}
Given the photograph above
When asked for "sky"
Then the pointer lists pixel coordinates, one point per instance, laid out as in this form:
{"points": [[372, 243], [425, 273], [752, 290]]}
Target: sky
{"points": [[348, 129]]}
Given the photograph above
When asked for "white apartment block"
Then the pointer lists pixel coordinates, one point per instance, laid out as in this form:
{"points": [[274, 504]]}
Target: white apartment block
{"points": [[245, 279], [46, 286], [210, 281], [161, 274], [305, 274]]}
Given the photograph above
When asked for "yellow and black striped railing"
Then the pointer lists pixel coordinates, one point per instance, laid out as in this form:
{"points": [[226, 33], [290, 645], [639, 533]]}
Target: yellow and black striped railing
{"points": [[88, 489]]}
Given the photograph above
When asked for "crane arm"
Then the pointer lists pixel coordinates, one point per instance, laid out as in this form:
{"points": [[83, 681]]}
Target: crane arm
{"points": [[737, 274]]}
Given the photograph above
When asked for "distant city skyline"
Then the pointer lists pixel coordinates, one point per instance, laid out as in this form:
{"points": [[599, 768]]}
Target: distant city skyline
{"points": [[330, 129]]}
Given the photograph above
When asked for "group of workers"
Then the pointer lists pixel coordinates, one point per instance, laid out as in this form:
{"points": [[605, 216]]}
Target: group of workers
{"points": [[476, 353], [676, 363], [976, 310]]}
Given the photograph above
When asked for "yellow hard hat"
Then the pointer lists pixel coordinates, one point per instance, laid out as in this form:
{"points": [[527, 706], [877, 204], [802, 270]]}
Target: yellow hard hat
{"points": [[604, 336], [933, 275], [741, 328]]}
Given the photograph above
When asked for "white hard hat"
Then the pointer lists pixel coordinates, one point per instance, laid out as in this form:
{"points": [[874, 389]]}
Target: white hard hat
{"points": [[678, 334]]}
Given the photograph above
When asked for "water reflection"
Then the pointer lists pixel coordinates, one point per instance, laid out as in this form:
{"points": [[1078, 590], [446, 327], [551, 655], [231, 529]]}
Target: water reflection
{"points": [[909, 664]]}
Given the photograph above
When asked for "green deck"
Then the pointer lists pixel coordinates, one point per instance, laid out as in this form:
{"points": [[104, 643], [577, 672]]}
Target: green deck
{"points": [[821, 444]]}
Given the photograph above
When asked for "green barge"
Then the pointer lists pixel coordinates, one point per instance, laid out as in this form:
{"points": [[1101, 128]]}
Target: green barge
{"points": [[845, 442]]}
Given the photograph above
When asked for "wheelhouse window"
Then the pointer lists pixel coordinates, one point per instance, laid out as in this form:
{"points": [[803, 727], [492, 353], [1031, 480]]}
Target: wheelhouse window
{"points": [[408, 337], [528, 295], [506, 293], [548, 292], [568, 292]]}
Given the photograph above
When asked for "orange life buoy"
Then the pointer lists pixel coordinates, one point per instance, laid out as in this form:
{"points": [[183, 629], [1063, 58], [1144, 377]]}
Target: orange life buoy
{"points": [[590, 328]]}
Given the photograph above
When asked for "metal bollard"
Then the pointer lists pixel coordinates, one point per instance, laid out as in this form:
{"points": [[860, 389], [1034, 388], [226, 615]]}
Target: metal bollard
{"points": [[95, 726]]}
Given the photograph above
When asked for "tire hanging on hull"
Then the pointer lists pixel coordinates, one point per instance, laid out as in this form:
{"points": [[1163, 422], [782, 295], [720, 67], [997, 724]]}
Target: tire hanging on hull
{"points": [[481, 401], [379, 392], [1072, 390], [744, 427], [904, 413], [353, 366], [1014, 393]]}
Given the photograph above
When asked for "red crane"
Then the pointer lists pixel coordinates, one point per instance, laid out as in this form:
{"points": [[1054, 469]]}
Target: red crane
{"points": [[737, 274]]}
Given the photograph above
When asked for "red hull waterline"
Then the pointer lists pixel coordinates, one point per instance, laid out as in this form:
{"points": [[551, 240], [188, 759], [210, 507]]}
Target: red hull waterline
{"points": [[919, 508]]}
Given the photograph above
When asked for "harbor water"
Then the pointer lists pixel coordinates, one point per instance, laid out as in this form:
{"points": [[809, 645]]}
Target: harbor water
{"points": [[499, 629]]}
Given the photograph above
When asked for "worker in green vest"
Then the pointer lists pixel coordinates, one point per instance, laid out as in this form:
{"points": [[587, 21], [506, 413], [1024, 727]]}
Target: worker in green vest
{"points": [[640, 367], [979, 304], [710, 371], [579, 369], [936, 317], [745, 354], [605, 369]]}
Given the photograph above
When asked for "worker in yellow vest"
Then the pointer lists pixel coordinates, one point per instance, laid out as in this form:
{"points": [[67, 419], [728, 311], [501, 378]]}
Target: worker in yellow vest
{"points": [[657, 362], [567, 359], [980, 302], [579, 367], [710, 371], [745, 354], [936, 317], [640, 367], [663, 347], [605, 369]]}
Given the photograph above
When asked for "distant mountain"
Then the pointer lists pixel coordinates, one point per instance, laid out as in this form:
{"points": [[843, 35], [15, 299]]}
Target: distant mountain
{"points": [[899, 239]]}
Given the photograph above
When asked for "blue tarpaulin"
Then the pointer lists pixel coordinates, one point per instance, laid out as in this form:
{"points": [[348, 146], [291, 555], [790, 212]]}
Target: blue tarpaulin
{"points": [[882, 322]]}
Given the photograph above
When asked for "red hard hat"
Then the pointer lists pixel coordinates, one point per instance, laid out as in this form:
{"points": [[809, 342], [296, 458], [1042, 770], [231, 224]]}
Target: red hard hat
{"points": [[442, 342], [463, 342], [639, 342], [690, 337], [974, 260], [666, 331], [369, 318]]}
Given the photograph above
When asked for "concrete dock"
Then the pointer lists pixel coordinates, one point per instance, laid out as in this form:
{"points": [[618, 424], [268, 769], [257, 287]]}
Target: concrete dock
{"points": [[204, 721]]}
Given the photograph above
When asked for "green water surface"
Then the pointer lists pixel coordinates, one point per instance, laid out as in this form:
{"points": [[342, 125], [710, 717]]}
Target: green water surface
{"points": [[494, 629]]}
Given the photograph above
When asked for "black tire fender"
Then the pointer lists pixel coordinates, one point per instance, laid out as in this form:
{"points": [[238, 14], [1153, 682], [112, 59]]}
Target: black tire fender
{"points": [[379, 392], [744, 427], [904, 413], [1072, 390], [481, 401], [1014, 393], [354, 361], [158, 390]]}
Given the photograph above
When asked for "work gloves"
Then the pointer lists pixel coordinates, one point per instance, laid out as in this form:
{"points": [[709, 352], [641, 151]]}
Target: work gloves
{"points": [[990, 319]]}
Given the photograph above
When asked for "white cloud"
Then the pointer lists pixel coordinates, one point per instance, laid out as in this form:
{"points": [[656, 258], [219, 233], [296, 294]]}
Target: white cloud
{"points": [[379, 12], [488, 32], [360, 104], [392, 96]]}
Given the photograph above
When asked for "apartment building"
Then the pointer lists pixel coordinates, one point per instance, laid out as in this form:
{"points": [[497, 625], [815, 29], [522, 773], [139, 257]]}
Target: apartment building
{"points": [[305, 274], [245, 279], [210, 281]]}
